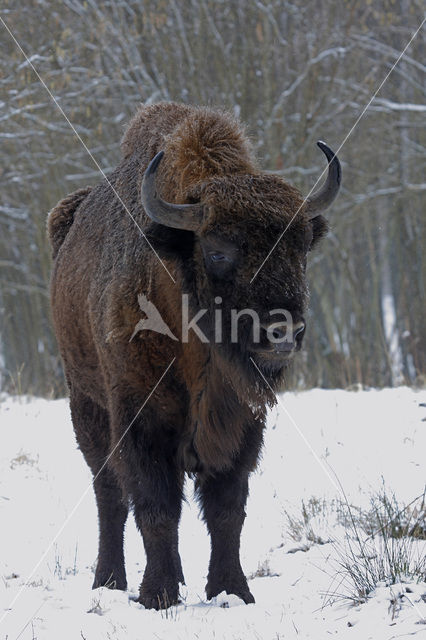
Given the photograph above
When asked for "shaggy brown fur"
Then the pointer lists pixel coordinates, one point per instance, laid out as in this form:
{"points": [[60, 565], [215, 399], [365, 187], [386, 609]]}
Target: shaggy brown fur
{"points": [[61, 218], [206, 416]]}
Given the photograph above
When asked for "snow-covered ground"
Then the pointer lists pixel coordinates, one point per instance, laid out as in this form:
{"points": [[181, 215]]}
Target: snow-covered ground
{"points": [[317, 443]]}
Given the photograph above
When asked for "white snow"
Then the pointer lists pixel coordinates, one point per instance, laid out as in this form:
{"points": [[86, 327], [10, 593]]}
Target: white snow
{"points": [[317, 442]]}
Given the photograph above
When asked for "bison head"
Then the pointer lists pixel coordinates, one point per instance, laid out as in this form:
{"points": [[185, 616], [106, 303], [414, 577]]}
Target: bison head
{"points": [[242, 242]]}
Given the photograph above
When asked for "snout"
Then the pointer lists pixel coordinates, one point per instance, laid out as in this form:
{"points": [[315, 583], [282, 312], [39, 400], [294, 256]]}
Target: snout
{"points": [[280, 339]]}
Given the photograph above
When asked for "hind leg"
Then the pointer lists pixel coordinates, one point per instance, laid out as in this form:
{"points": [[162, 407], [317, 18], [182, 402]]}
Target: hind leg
{"points": [[91, 425]]}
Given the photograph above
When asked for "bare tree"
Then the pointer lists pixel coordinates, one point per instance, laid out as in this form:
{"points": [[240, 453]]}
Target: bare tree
{"points": [[295, 72]]}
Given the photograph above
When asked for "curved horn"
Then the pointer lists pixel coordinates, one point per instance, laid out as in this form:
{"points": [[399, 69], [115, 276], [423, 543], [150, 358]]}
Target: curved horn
{"points": [[323, 198], [177, 216]]}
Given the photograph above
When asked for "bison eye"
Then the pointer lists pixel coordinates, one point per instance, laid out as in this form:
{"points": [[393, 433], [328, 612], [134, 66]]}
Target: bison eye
{"points": [[218, 257]]}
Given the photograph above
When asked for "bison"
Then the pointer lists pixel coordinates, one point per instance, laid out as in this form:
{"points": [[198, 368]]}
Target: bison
{"points": [[148, 406]]}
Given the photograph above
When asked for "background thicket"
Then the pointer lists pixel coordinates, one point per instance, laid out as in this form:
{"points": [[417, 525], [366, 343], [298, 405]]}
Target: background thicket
{"points": [[294, 72]]}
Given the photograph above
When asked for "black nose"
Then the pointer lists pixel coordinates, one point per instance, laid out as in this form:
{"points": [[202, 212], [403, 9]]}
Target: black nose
{"points": [[298, 328], [285, 337], [285, 332], [278, 333]]}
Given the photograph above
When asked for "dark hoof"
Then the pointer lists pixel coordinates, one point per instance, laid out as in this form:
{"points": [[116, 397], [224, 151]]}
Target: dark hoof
{"points": [[240, 590], [159, 592], [159, 600], [248, 597], [110, 580]]}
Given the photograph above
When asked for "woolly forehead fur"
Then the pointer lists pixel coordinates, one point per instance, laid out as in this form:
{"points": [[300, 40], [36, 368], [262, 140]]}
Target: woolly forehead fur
{"points": [[250, 202]]}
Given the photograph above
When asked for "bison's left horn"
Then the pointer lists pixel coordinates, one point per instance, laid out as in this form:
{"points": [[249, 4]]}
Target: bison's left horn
{"points": [[323, 198], [177, 216]]}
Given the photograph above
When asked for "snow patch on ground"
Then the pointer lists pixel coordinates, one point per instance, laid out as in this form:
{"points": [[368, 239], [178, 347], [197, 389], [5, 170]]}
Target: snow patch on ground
{"points": [[316, 442]]}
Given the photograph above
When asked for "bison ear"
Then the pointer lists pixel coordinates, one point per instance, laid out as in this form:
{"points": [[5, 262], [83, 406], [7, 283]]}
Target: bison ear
{"points": [[320, 228], [170, 243]]}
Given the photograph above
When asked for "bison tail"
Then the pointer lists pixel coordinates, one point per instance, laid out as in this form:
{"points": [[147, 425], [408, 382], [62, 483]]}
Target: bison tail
{"points": [[61, 217]]}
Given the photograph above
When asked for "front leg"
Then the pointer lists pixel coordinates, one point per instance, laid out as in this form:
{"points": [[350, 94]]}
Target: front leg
{"points": [[157, 507], [223, 498], [147, 467], [163, 572]]}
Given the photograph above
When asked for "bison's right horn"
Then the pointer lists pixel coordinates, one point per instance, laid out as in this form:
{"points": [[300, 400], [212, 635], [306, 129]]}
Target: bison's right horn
{"points": [[319, 201], [177, 216]]}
